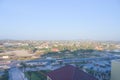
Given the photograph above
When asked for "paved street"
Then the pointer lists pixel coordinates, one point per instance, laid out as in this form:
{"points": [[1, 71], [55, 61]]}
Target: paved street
{"points": [[75, 59], [16, 74]]}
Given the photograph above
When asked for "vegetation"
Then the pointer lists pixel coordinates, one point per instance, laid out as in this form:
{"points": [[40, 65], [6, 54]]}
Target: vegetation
{"points": [[36, 75], [82, 53], [4, 76], [23, 66]]}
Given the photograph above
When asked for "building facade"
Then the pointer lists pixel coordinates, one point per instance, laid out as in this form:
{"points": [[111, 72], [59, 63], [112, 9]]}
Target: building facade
{"points": [[115, 70]]}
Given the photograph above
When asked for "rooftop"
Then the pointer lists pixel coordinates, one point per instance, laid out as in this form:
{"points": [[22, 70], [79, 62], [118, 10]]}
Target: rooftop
{"points": [[117, 60], [69, 73]]}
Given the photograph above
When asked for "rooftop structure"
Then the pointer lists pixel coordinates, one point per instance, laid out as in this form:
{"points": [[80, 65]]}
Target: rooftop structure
{"points": [[69, 73]]}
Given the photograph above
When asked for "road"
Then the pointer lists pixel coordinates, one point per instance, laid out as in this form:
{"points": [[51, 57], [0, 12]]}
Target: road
{"points": [[16, 74], [75, 59]]}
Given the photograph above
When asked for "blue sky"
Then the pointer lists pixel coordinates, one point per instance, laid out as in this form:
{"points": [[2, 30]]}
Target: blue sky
{"points": [[60, 19]]}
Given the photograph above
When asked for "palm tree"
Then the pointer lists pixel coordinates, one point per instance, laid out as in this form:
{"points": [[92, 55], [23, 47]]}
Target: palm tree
{"points": [[30, 75], [30, 72], [23, 66]]}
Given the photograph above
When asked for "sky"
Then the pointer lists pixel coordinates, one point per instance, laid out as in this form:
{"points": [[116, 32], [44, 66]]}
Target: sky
{"points": [[60, 19]]}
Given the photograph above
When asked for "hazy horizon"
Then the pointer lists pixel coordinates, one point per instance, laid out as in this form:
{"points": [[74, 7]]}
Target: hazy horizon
{"points": [[60, 20]]}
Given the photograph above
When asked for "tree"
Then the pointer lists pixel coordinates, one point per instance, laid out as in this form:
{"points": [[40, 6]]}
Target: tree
{"points": [[30, 72], [23, 65]]}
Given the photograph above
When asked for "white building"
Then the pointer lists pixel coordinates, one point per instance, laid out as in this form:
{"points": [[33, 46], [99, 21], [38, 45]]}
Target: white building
{"points": [[5, 57], [115, 70]]}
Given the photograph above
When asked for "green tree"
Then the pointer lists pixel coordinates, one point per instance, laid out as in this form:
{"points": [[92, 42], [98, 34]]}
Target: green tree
{"points": [[23, 66]]}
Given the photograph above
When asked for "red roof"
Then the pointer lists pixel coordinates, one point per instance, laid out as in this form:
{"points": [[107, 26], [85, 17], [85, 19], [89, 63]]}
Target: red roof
{"points": [[69, 73]]}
